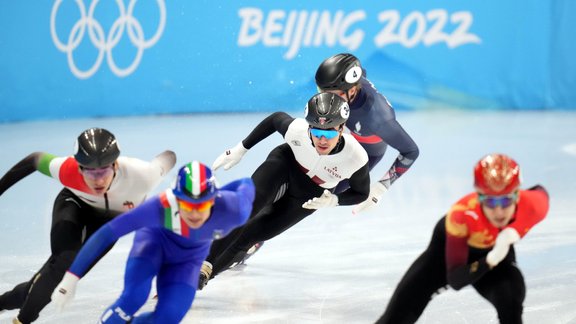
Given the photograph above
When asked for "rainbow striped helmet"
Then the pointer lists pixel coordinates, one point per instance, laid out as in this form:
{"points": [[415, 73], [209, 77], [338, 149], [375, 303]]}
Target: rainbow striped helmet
{"points": [[195, 183]]}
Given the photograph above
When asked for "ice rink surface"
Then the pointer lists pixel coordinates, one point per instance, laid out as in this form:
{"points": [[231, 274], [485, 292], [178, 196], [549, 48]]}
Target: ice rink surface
{"points": [[332, 267]]}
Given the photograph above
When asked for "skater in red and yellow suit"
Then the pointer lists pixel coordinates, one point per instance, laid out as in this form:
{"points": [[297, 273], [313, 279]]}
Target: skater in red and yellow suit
{"points": [[473, 245]]}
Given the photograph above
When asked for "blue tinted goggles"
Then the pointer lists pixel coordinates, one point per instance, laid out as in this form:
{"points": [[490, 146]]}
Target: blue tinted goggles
{"points": [[328, 133], [495, 201]]}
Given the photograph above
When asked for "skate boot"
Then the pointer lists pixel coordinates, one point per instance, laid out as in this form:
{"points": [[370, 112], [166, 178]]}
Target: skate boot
{"points": [[205, 273]]}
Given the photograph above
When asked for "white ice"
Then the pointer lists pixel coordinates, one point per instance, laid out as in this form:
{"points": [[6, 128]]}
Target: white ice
{"points": [[333, 267]]}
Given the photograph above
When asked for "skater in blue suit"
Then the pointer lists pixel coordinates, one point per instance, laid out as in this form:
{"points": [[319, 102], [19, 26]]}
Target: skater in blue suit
{"points": [[173, 234]]}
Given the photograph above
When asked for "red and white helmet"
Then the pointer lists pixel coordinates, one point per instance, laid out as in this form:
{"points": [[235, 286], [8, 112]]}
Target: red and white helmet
{"points": [[496, 175]]}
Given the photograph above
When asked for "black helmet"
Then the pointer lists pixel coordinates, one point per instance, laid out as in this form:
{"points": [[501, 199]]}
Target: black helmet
{"points": [[326, 110], [96, 148], [339, 72]]}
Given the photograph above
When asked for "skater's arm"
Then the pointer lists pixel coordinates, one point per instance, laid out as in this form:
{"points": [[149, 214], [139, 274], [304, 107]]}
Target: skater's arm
{"points": [[165, 161], [94, 247], [532, 208], [394, 135], [276, 122], [146, 215], [21, 170], [459, 272], [359, 188], [239, 196]]}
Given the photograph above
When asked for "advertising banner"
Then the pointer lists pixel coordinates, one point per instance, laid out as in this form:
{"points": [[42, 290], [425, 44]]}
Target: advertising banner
{"points": [[89, 58]]}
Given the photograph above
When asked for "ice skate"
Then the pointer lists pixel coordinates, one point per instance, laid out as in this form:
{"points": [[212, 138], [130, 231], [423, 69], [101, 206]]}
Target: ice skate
{"points": [[248, 254], [252, 251], [205, 273]]}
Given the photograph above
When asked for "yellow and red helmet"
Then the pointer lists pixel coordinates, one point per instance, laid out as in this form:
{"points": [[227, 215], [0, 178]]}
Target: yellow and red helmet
{"points": [[496, 175]]}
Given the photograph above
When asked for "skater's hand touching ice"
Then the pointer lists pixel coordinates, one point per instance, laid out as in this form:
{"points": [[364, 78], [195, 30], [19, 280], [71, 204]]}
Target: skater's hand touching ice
{"points": [[65, 291]]}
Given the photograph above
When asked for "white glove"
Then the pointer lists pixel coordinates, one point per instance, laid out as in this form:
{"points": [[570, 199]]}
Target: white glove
{"points": [[377, 189], [64, 292], [230, 158], [327, 199], [507, 237]]}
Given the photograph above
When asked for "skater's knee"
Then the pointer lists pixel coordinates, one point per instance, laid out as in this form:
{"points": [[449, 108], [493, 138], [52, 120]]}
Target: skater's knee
{"points": [[62, 261]]}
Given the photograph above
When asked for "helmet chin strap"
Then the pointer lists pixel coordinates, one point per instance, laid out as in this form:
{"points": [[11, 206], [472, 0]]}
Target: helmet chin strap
{"points": [[110, 185], [339, 145], [113, 177], [310, 137]]}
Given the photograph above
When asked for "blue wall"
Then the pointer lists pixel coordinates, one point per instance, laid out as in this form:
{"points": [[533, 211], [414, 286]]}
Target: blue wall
{"points": [[70, 59]]}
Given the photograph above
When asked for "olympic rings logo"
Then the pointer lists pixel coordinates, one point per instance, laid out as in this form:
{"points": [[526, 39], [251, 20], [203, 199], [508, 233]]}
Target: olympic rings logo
{"points": [[106, 45]]}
